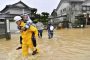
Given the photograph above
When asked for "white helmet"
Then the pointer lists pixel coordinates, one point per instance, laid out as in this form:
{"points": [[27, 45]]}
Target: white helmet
{"points": [[17, 18]]}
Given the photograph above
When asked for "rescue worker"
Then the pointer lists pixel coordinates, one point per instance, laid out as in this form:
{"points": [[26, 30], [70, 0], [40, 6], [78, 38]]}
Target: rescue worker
{"points": [[28, 21], [26, 36]]}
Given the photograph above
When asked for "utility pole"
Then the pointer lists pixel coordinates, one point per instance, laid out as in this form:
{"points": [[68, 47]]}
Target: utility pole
{"points": [[70, 10], [86, 16]]}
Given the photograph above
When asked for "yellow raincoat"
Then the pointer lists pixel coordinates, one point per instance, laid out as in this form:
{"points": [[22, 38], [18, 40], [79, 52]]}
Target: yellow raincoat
{"points": [[26, 38]]}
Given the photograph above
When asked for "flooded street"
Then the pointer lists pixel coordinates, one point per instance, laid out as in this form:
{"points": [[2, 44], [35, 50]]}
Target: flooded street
{"points": [[67, 44]]}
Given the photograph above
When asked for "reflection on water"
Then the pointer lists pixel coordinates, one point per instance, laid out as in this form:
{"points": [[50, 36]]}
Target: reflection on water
{"points": [[67, 44]]}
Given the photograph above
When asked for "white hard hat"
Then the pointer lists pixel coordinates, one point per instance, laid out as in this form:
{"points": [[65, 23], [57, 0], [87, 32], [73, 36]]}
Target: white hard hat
{"points": [[17, 18]]}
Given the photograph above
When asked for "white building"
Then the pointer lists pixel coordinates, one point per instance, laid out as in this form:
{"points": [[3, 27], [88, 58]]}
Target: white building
{"points": [[10, 11], [69, 9]]}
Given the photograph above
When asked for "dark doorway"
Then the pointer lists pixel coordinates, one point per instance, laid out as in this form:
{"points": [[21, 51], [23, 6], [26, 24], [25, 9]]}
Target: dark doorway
{"points": [[65, 24], [88, 23]]}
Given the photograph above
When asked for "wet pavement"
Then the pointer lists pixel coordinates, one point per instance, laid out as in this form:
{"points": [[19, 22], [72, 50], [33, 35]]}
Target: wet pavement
{"points": [[67, 44]]}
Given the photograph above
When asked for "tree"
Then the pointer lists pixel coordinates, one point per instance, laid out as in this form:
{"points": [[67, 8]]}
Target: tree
{"points": [[33, 11], [45, 14], [44, 17], [36, 18]]}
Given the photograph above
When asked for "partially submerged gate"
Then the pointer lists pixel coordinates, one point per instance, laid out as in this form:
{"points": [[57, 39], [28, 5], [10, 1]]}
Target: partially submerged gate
{"points": [[5, 29], [2, 28], [5, 25]]}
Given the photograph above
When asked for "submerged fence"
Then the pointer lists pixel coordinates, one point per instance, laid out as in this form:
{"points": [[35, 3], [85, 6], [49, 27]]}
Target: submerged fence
{"points": [[2, 29], [5, 25], [5, 29]]}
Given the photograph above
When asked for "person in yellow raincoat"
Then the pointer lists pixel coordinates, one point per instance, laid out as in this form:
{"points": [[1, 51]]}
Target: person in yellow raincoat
{"points": [[26, 36], [26, 19]]}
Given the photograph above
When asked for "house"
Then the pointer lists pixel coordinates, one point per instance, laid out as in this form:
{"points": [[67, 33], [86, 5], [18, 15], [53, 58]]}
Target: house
{"points": [[18, 8], [10, 11], [70, 9]]}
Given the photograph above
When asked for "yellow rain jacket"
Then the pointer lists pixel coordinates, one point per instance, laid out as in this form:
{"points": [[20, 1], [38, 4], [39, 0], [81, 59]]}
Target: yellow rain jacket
{"points": [[26, 38]]}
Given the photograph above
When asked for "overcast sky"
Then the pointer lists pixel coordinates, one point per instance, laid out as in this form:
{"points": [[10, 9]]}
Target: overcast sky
{"points": [[41, 5]]}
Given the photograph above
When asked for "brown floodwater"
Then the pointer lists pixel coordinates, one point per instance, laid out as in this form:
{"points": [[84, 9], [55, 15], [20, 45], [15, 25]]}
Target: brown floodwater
{"points": [[67, 44]]}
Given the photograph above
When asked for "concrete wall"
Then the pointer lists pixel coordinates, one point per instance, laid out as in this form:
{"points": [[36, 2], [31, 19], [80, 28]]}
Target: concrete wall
{"points": [[13, 27]]}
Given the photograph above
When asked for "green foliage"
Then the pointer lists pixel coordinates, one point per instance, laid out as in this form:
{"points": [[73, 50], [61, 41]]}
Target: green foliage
{"points": [[45, 14], [35, 20], [43, 17], [33, 11]]}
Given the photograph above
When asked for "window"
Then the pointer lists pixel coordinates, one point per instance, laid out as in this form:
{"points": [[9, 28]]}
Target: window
{"points": [[88, 8], [84, 8], [61, 11], [64, 10]]}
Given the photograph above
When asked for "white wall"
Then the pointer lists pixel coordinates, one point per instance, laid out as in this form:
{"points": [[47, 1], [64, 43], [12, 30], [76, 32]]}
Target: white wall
{"points": [[63, 5], [17, 11], [13, 27]]}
